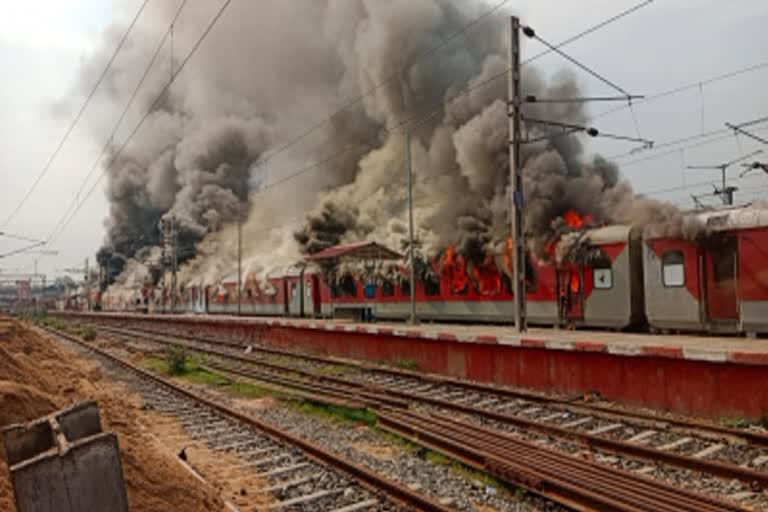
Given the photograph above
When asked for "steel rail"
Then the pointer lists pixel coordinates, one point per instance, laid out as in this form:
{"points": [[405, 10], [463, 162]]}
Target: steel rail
{"points": [[376, 395], [591, 471], [756, 438], [366, 477], [581, 483], [342, 387], [546, 470]]}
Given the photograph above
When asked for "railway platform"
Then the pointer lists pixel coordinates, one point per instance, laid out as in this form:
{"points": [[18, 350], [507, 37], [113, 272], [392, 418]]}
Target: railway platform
{"points": [[710, 376]]}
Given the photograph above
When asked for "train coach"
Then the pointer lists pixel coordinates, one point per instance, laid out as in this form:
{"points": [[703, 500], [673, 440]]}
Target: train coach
{"points": [[620, 278], [601, 292], [717, 282]]}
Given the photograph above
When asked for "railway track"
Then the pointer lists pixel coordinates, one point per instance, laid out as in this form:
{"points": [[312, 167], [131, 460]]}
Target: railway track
{"points": [[710, 449], [330, 380], [563, 479], [295, 474]]}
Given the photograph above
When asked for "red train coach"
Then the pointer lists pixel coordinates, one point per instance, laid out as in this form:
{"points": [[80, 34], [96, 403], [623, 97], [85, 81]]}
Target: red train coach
{"points": [[603, 291], [717, 282]]}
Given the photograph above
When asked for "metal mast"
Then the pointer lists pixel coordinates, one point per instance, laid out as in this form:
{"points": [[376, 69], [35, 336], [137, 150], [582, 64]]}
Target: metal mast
{"points": [[515, 176], [411, 249]]}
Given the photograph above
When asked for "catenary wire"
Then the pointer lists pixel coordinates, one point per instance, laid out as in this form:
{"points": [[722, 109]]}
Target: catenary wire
{"points": [[74, 122], [443, 43], [73, 206], [327, 159]]}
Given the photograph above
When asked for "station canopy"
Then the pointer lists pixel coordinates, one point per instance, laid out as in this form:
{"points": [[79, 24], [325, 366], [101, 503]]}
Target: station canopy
{"points": [[357, 251]]}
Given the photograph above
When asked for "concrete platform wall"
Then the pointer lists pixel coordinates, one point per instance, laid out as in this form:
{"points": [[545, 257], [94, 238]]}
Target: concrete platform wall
{"points": [[664, 378]]}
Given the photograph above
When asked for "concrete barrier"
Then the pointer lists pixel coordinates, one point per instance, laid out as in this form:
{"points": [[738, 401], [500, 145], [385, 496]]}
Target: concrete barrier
{"points": [[65, 463]]}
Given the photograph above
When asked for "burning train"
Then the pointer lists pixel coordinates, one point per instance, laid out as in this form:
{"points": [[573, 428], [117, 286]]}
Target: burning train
{"points": [[614, 277]]}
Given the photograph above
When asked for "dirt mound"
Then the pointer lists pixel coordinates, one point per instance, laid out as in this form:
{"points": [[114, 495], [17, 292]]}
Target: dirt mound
{"points": [[10, 369], [20, 403], [37, 376]]}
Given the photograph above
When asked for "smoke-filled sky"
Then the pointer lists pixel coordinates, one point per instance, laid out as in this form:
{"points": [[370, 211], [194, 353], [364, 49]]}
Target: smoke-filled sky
{"points": [[270, 69]]}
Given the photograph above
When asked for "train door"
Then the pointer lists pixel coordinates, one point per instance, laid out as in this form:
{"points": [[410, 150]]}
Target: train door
{"points": [[311, 296], [294, 297], [570, 292], [721, 273], [198, 299], [286, 296]]}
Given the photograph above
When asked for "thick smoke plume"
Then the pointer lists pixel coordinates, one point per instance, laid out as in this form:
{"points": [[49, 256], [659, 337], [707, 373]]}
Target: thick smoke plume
{"points": [[271, 69]]}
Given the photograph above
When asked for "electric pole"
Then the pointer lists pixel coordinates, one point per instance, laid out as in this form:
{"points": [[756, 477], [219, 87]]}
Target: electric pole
{"points": [[726, 191], [87, 285], [411, 249], [175, 262], [32, 286], [170, 258], [515, 176], [239, 261]]}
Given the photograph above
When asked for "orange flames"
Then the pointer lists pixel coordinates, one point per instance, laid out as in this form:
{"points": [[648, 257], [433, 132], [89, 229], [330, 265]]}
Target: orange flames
{"points": [[487, 276], [574, 220], [509, 253], [453, 269], [575, 285]]}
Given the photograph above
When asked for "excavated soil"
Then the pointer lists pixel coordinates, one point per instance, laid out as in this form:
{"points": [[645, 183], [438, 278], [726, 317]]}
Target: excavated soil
{"points": [[38, 377]]}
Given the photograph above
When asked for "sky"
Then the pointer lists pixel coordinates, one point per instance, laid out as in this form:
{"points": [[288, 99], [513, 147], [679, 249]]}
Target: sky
{"points": [[668, 44]]}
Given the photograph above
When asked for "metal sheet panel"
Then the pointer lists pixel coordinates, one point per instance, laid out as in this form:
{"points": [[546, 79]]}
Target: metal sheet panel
{"points": [[612, 307], [754, 316], [669, 307]]}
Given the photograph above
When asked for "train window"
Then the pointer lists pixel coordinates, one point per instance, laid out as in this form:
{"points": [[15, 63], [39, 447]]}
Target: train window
{"points": [[602, 278], [531, 276], [348, 286], [724, 269], [432, 285], [673, 268], [405, 286], [387, 288]]}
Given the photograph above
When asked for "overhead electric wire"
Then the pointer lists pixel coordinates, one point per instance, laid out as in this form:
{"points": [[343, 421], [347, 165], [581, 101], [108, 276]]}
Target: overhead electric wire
{"points": [[73, 204], [19, 237], [74, 122], [592, 29], [584, 67], [413, 119], [676, 150], [442, 104], [683, 88], [688, 186], [23, 249], [149, 110], [293, 141]]}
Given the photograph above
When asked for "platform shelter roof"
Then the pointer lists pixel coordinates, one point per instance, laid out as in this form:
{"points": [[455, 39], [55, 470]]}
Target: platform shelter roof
{"points": [[368, 250]]}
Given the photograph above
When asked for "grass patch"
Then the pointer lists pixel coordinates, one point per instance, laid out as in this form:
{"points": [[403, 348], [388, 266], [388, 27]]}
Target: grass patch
{"points": [[176, 360], [281, 359], [251, 390], [337, 413], [85, 332], [734, 422], [405, 364], [88, 333], [194, 373], [335, 369]]}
